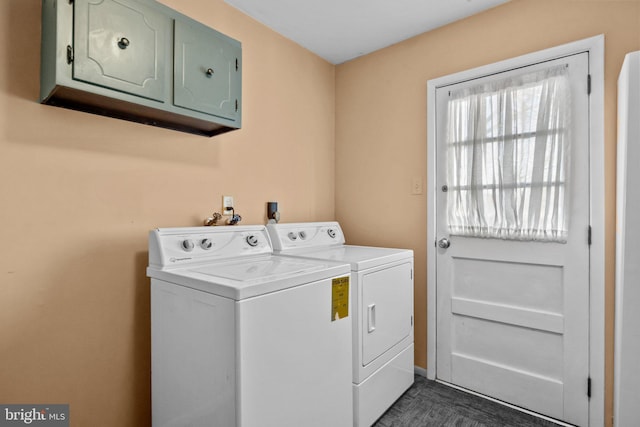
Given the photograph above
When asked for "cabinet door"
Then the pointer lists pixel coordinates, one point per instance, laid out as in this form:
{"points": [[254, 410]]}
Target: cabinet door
{"points": [[121, 44], [206, 71]]}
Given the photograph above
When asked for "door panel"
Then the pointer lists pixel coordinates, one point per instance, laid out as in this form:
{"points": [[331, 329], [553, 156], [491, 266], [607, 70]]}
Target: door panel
{"points": [[121, 44], [521, 349], [530, 286], [206, 71], [513, 316], [515, 386]]}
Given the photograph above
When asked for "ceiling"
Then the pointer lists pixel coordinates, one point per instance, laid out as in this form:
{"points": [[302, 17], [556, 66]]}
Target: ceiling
{"points": [[340, 30]]}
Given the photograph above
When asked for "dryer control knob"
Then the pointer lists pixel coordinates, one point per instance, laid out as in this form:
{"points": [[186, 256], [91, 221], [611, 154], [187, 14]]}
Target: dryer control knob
{"points": [[206, 244], [292, 235], [188, 245], [332, 233], [303, 235], [252, 240]]}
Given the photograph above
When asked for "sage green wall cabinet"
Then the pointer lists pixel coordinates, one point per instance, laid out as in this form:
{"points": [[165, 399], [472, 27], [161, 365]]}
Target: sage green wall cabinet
{"points": [[141, 61]]}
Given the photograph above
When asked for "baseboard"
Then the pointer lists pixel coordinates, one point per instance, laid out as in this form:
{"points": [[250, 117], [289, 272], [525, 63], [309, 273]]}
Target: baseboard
{"points": [[420, 371]]}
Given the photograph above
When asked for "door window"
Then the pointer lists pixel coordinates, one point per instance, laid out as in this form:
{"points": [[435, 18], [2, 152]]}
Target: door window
{"points": [[507, 149]]}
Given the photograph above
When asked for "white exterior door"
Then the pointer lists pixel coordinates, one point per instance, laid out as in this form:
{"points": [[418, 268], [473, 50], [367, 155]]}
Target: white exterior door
{"points": [[513, 316]]}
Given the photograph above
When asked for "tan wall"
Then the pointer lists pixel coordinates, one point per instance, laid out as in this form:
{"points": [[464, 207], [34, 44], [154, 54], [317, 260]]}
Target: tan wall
{"points": [[381, 122], [78, 194]]}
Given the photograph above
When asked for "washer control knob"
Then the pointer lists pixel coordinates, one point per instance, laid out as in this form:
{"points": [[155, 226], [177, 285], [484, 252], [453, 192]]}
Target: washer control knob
{"points": [[303, 235], [188, 245], [292, 235], [332, 233], [252, 240], [206, 244]]}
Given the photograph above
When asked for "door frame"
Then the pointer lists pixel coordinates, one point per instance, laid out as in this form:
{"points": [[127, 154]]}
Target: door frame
{"points": [[595, 47]]}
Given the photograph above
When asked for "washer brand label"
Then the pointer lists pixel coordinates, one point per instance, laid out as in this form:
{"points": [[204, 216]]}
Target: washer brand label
{"points": [[34, 415], [179, 259], [339, 298]]}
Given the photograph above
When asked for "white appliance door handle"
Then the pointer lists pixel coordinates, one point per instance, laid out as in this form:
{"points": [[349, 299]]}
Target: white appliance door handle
{"points": [[371, 317]]}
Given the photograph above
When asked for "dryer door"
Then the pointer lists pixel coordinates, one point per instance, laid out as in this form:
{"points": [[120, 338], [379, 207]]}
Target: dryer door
{"points": [[387, 309]]}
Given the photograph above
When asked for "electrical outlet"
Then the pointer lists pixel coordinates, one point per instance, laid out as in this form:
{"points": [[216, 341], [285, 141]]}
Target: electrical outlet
{"points": [[227, 205]]}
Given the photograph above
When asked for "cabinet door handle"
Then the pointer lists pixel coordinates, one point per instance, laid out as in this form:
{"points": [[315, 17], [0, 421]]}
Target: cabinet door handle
{"points": [[209, 72], [123, 43], [371, 318]]}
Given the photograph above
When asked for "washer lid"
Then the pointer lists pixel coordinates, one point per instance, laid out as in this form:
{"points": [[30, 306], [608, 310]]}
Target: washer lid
{"points": [[251, 277], [359, 257], [265, 269]]}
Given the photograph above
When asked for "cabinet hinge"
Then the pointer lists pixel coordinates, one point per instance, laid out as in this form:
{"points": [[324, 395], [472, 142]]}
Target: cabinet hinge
{"points": [[412, 274], [589, 387], [236, 64], [588, 84], [236, 105], [69, 54], [589, 236], [411, 320]]}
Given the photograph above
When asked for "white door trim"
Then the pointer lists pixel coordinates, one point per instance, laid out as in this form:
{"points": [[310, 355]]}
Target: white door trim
{"points": [[595, 47]]}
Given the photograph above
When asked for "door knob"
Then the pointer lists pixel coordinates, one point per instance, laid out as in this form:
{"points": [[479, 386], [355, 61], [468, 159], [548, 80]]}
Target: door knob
{"points": [[444, 243]]}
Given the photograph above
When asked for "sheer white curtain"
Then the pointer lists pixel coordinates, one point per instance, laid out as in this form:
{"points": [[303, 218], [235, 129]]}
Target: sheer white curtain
{"points": [[507, 152]]}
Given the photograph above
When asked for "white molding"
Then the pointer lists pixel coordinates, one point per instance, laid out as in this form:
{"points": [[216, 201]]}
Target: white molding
{"points": [[420, 371], [595, 47]]}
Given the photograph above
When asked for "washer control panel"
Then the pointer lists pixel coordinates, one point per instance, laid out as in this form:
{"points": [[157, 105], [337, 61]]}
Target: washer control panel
{"points": [[305, 235], [192, 245]]}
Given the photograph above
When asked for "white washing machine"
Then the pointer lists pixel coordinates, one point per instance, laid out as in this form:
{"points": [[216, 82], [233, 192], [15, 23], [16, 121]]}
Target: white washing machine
{"points": [[382, 300], [241, 337]]}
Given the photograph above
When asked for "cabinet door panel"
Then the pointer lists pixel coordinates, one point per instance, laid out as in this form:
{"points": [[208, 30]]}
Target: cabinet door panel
{"points": [[120, 44], [206, 71]]}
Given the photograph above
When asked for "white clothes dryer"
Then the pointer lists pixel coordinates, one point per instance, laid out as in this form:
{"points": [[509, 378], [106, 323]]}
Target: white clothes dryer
{"points": [[241, 337], [382, 300]]}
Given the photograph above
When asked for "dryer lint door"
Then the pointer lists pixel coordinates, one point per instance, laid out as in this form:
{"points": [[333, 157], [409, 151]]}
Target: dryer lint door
{"points": [[387, 309]]}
